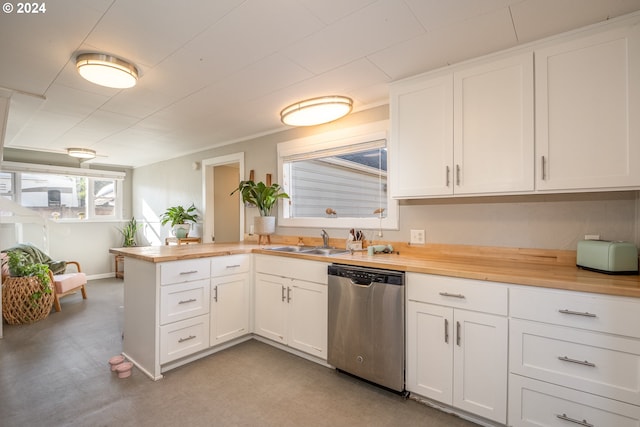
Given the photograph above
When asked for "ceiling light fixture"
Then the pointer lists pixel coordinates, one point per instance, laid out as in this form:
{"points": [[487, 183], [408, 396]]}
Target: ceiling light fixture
{"points": [[106, 70], [316, 111], [81, 153]]}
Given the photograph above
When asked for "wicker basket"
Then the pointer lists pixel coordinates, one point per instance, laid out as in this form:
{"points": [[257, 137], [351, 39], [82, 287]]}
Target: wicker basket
{"points": [[17, 305]]}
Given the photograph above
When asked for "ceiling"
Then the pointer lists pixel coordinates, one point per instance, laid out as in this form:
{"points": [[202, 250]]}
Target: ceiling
{"points": [[213, 72]]}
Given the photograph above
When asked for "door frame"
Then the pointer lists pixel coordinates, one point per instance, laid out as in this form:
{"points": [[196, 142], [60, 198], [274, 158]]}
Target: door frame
{"points": [[207, 192]]}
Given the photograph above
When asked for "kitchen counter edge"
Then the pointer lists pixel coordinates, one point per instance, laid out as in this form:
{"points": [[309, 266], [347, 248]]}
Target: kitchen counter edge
{"points": [[513, 272]]}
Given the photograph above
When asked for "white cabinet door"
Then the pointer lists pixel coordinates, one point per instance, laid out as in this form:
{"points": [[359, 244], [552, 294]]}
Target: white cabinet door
{"points": [[270, 307], [421, 146], [459, 358], [587, 109], [480, 364], [229, 308], [308, 321], [493, 127], [429, 351]]}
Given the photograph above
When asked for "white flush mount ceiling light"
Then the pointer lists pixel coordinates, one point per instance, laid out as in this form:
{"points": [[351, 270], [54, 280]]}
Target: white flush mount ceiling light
{"points": [[106, 70], [316, 111], [81, 153]]}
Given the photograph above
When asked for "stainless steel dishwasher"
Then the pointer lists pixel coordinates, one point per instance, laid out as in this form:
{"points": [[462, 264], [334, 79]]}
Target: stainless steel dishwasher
{"points": [[366, 324]]}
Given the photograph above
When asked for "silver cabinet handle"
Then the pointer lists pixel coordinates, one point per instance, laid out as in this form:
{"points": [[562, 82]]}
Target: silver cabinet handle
{"points": [[215, 293], [283, 297], [458, 175], [190, 337], [187, 301], [579, 362], [288, 294], [458, 334], [544, 168], [447, 294], [188, 272], [233, 266], [446, 331], [577, 313], [573, 420], [448, 176]]}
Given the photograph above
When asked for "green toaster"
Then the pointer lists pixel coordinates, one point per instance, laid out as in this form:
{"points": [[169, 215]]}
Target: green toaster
{"points": [[608, 257]]}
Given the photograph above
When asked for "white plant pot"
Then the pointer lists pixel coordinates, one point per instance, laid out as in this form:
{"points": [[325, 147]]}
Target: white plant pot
{"points": [[264, 225], [181, 230]]}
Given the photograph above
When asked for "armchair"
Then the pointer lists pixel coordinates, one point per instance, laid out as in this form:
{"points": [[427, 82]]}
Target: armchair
{"points": [[63, 282]]}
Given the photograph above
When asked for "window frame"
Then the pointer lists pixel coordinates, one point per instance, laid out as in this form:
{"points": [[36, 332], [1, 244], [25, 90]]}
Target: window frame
{"points": [[329, 141], [90, 174]]}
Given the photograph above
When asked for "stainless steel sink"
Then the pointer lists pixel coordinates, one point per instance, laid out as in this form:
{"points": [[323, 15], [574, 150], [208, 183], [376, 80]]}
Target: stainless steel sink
{"points": [[291, 248], [311, 250], [325, 251]]}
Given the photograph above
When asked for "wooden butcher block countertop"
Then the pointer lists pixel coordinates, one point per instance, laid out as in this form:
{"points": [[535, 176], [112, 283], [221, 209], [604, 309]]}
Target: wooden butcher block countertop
{"points": [[532, 267]]}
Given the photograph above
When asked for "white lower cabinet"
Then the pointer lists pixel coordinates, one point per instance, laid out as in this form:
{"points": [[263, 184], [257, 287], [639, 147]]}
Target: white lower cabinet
{"points": [[289, 310], [574, 359], [538, 403], [230, 289], [229, 308], [457, 356], [183, 338]]}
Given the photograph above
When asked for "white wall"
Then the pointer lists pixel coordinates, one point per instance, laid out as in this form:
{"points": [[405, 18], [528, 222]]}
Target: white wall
{"points": [[537, 221]]}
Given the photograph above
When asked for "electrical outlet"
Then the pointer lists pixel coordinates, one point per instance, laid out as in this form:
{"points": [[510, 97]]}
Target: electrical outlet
{"points": [[591, 237], [417, 237]]}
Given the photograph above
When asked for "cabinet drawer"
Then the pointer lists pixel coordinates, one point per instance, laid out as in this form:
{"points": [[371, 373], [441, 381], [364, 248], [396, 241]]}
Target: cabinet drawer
{"points": [[536, 403], [616, 315], [601, 364], [184, 300], [310, 271], [469, 294], [183, 338], [184, 271], [231, 264]]}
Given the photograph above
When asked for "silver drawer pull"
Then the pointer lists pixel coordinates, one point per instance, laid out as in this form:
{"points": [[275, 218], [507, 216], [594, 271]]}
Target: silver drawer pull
{"points": [[572, 420], [187, 301], [190, 337], [188, 272], [577, 313], [447, 294], [233, 266], [579, 362]]}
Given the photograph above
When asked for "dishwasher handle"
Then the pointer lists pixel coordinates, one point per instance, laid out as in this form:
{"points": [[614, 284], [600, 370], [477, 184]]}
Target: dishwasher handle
{"points": [[360, 284]]}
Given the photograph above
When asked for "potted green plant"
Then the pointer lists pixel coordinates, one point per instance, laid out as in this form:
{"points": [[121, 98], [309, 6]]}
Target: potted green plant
{"points": [[129, 232], [178, 217], [264, 197], [27, 295]]}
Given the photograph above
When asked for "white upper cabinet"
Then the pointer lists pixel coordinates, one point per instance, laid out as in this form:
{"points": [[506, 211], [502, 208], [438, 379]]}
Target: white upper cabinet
{"points": [[587, 112], [469, 131], [493, 127], [421, 147]]}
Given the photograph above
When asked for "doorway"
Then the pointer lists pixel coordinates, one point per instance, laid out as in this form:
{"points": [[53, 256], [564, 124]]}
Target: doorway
{"points": [[223, 214]]}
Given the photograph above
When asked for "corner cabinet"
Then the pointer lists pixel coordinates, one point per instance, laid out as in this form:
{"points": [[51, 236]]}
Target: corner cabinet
{"points": [[587, 109], [465, 132], [457, 333], [291, 303]]}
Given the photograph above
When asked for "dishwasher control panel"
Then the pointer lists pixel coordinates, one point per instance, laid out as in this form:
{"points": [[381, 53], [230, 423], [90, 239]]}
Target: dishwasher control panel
{"points": [[365, 275]]}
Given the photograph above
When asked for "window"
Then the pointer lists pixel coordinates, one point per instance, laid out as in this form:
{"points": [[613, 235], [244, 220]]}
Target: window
{"points": [[63, 193], [338, 180]]}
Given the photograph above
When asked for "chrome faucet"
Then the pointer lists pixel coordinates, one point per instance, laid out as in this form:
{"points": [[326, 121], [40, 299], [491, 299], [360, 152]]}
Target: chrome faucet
{"points": [[325, 239]]}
